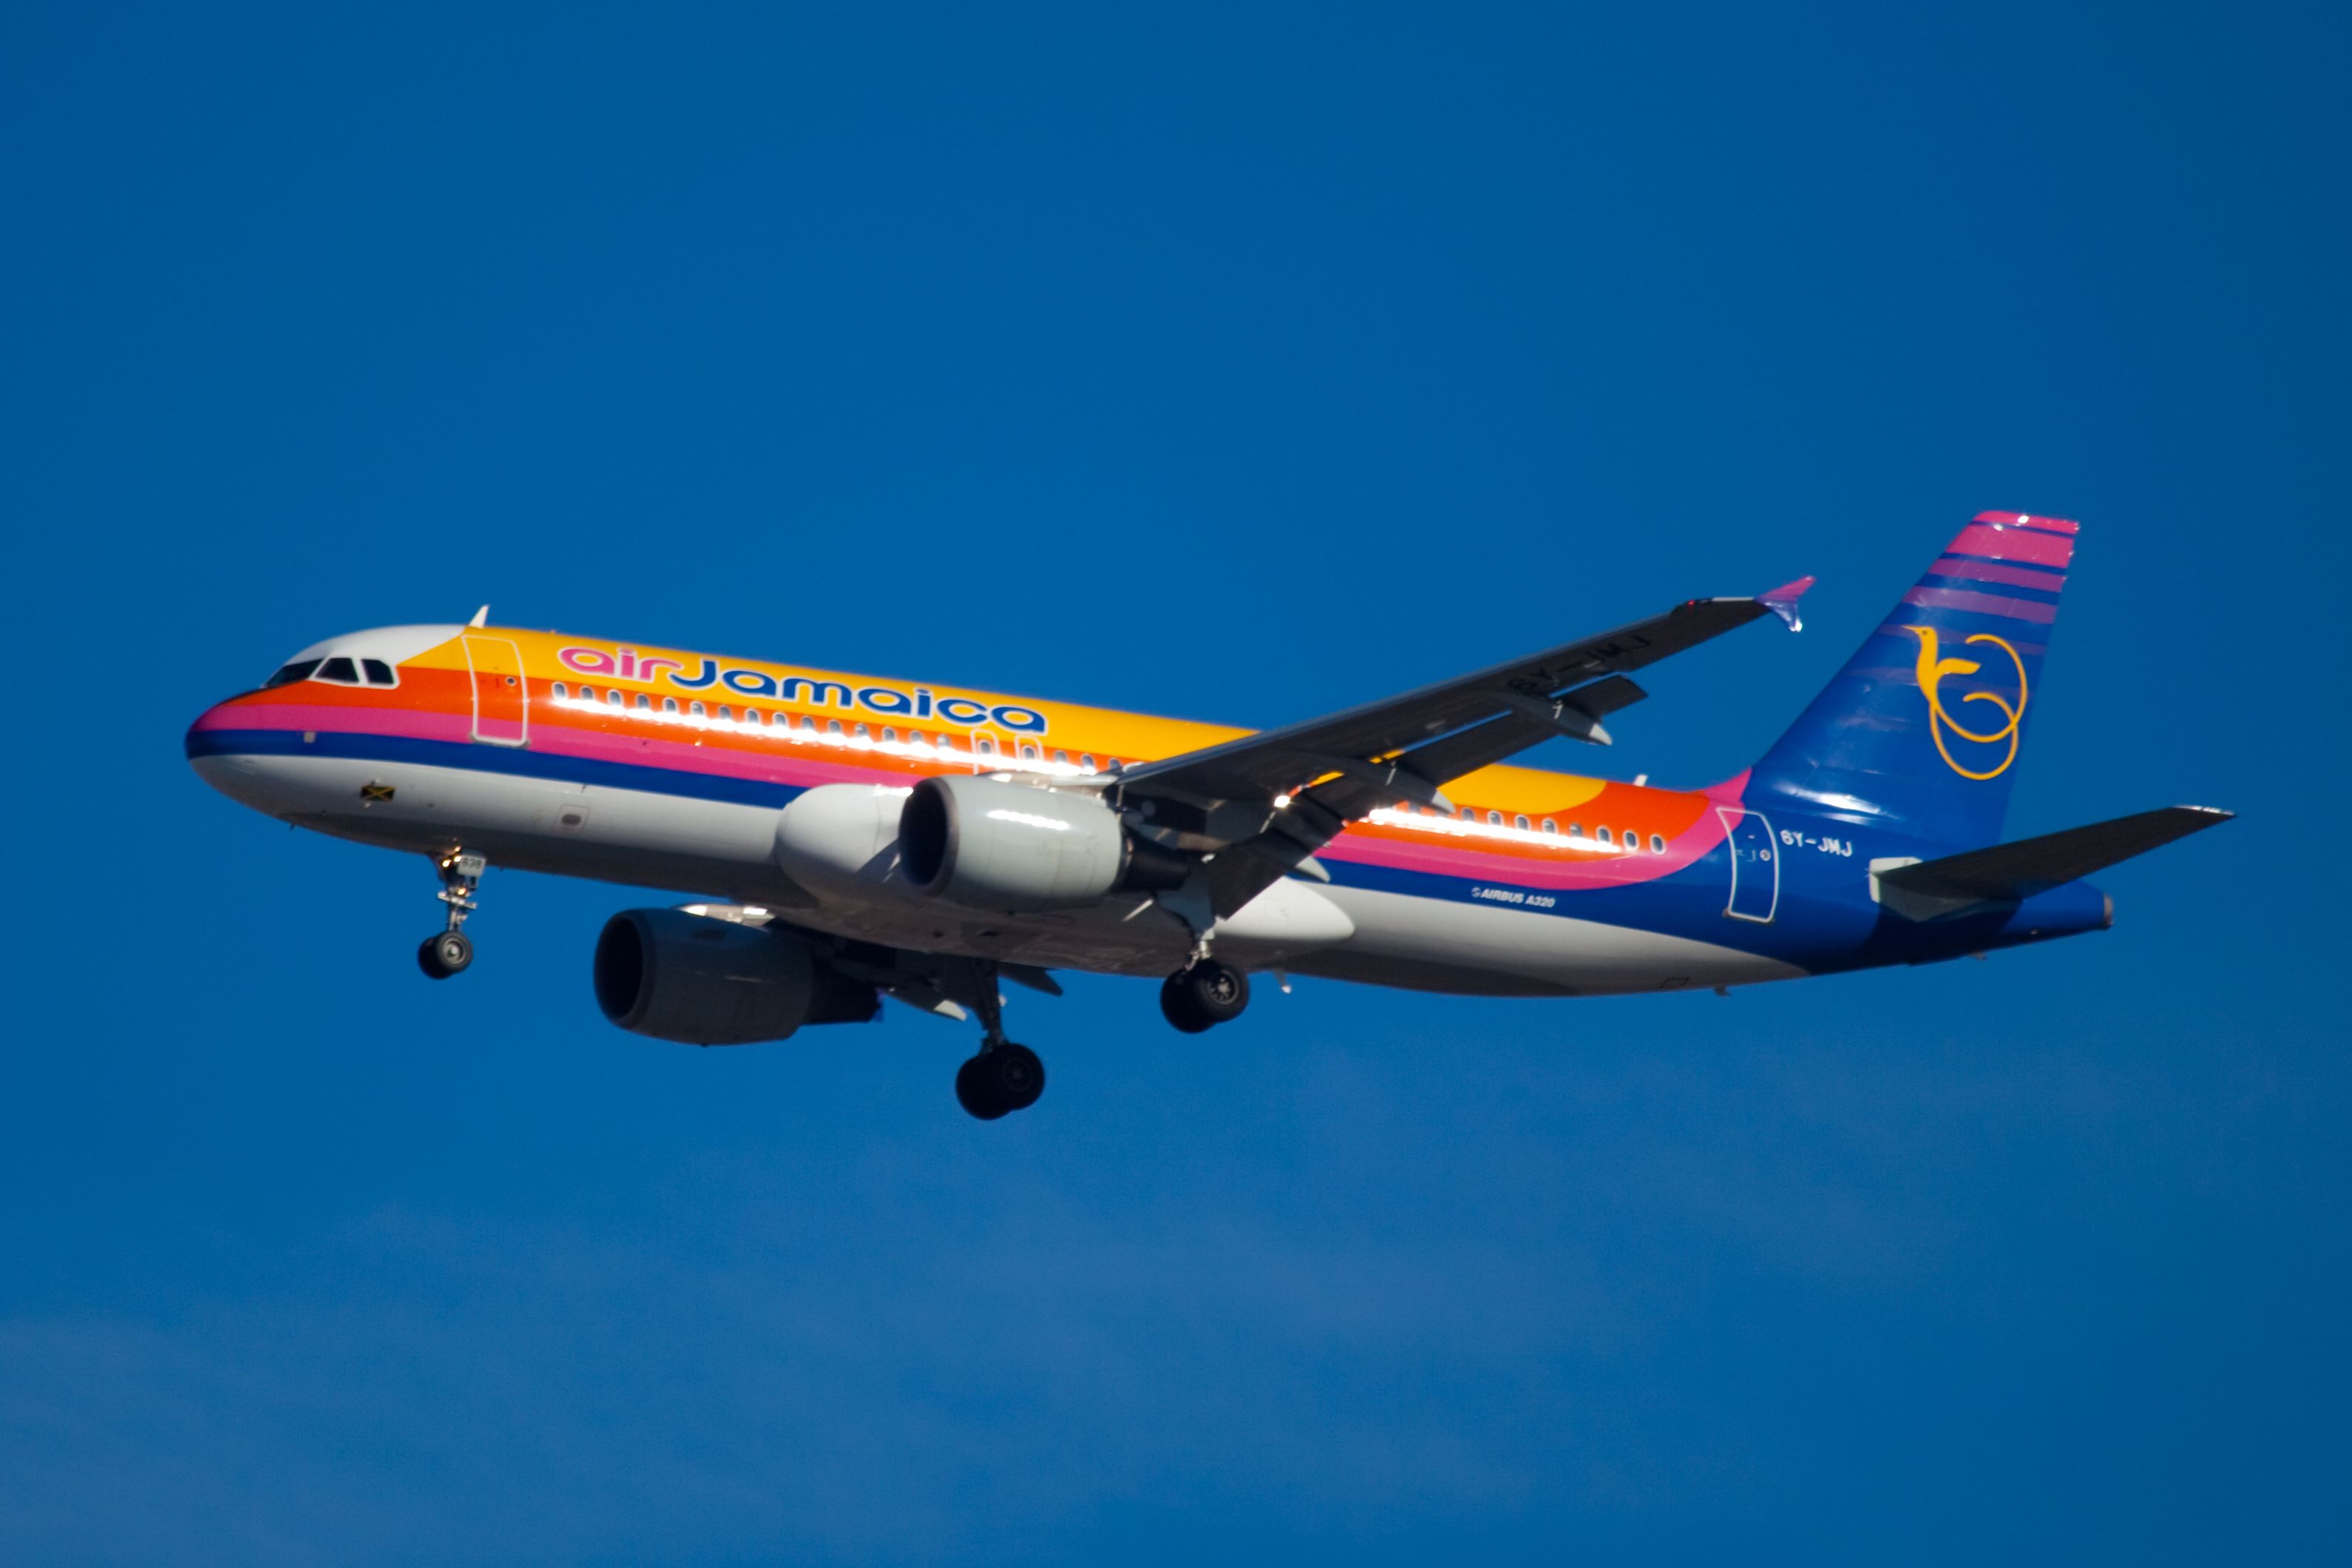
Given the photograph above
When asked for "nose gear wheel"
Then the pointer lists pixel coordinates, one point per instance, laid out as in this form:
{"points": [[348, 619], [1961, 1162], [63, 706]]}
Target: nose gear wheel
{"points": [[450, 951]]}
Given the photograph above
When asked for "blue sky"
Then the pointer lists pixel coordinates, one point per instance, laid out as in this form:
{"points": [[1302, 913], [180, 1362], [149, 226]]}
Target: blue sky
{"points": [[1236, 365]]}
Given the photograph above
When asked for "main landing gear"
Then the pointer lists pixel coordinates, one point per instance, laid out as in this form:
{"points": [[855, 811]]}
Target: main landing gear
{"points": [[449, 952], [1004, 1077], [1203, 995]]}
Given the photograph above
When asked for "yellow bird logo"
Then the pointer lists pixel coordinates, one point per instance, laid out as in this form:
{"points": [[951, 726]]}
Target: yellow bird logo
{"points": [[1932, 670]]}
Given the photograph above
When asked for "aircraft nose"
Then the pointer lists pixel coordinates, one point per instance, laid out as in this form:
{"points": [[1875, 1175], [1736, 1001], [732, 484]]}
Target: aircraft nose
{"points": [[212, 748], [202, 739]]}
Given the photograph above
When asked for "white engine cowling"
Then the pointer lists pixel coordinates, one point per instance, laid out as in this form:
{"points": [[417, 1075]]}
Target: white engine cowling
{"points": [[986, 844], [699, 981], [842, 839]]}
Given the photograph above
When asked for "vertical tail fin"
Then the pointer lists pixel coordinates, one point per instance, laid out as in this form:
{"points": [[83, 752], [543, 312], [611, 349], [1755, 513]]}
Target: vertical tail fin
{"points": [[1921, 730]]}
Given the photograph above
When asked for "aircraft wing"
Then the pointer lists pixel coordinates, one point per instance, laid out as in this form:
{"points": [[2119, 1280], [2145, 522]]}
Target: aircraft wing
{"points": [[1342, 767]]}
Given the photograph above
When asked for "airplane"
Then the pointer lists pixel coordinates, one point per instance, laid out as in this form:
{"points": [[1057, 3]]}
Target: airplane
{"points": [[852, 838]]}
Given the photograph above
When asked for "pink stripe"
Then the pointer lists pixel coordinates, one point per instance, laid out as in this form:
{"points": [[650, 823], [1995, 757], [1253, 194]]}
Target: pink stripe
{"points": [[1985, 571], [1982, 603], [413, 724], [553, 739], [2028, 520], [1535, 867], [2004, 543]]}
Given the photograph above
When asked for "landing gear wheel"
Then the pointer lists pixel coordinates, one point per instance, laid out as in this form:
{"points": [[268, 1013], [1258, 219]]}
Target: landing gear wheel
{"points": [[1203, 995], [1001, 1080], [1020, 1076], [1176, 1005], [444, 955]]}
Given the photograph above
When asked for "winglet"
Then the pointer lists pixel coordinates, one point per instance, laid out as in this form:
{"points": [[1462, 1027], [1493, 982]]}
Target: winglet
{"points": [[481, 617], [1783, 600]]}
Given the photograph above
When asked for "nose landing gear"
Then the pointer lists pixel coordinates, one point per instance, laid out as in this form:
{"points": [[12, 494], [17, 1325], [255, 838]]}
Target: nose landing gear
{"points": [[1203, 995], [1004, 1077], [448, 952]]}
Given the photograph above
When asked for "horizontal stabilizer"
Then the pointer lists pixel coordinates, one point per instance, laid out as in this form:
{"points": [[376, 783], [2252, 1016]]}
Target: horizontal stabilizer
{"points": [[2013, 872]]}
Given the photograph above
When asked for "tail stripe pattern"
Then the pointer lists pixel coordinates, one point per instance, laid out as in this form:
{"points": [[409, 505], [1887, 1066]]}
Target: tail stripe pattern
{"points": [[2003, 540], [1916, 737]]}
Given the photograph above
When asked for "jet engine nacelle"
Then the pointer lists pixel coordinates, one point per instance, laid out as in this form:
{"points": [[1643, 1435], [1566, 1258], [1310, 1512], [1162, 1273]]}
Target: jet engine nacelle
{"points": [[986, 844], [700, 981]]}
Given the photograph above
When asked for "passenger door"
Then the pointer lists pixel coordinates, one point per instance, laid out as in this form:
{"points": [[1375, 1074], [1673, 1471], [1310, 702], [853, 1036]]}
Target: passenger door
{"points": [[501, 698], [1755, 866]]}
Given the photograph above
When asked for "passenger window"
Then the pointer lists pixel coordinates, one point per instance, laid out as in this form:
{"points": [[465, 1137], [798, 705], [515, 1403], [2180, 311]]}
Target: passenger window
{"points": [[1657, 844], [618, 698], [1520, 823], [300, 669], [833, 726], [1087, 760], [340, 671], [695, 710], [560, 690], [863, 733], [726, 714], [1576, 829], [1493, 819], [808, 722], [985, 747], [1029, 754], [1550, 827], [645, 702], [1602, 835], [379, 673], [1062, 757]]}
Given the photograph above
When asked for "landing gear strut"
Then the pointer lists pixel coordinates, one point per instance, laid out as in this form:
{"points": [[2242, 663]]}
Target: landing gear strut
{"points": [[1004, 1077], [450, 951], [1203, 995]]}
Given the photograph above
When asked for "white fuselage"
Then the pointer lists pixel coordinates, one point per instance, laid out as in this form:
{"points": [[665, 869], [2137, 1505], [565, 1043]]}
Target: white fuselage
{"points": [[826, 861]]}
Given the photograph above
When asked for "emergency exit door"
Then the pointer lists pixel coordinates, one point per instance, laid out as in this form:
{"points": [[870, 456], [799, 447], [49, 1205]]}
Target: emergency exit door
{"points": [[501, 699]]}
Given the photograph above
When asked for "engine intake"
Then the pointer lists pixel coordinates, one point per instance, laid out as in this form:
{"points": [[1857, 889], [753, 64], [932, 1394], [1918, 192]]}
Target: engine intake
{"points": [[989, 844], [699, 981]]}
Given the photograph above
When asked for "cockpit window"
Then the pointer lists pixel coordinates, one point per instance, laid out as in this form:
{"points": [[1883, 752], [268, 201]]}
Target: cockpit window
{"points": [[341, 670], [300, 669], [379, 673]]}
